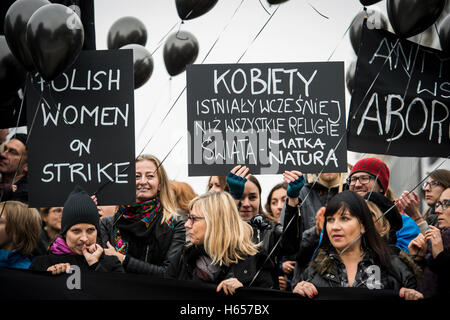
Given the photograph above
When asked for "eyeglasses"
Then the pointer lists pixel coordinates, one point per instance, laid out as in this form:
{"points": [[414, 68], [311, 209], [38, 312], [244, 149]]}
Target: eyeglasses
{"points": [[192, 218], [431, 184], [444, 204], [362, 179]]}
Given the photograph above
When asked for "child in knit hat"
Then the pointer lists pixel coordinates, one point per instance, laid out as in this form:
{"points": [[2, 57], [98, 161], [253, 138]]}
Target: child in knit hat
{"points": [[77, 244]]}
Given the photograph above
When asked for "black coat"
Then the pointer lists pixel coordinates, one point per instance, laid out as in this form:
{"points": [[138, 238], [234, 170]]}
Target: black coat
{"points": [[154, 251], [244, 270], [327, 270], [105, 264]]}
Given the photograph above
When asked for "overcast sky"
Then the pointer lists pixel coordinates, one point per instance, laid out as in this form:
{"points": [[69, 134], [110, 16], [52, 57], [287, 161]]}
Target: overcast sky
{"points": [[295, 33]]}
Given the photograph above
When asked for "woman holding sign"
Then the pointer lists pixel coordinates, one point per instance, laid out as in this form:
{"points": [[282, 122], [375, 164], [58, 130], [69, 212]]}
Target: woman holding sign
{"points": [[148, 236]]}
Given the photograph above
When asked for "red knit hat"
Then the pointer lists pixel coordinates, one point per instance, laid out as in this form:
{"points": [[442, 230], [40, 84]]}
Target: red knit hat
{"points": [[375, 167]]}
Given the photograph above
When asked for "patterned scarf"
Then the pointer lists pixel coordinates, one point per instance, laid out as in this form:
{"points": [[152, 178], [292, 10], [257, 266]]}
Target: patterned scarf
{"points": [[145, 212]]}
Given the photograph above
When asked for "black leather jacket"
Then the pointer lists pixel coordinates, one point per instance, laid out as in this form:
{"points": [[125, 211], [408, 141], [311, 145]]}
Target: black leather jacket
{"points": [[327, 270], [157, 253]]}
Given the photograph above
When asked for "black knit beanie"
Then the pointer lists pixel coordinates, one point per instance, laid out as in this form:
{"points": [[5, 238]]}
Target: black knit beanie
{"points": [[79, 208]]}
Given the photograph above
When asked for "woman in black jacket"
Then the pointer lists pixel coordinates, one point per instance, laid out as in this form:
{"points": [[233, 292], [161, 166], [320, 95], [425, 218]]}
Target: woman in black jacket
{"points": [[352, 254], [77, 244], [148, 236], [221, 250]]}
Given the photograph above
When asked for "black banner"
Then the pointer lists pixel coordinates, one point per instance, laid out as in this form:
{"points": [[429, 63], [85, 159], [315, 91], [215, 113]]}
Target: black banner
{"points": [[400, 104], [81, 131], [270, 117]]}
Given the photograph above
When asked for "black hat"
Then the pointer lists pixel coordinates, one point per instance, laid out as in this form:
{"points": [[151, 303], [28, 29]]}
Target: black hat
{"points": [[385, 204], [22, 137], [79, 208]]}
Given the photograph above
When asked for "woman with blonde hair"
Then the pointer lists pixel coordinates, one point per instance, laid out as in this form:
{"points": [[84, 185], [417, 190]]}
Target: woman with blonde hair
{"points": [[20, 227], [220, 248], [148, 236]]}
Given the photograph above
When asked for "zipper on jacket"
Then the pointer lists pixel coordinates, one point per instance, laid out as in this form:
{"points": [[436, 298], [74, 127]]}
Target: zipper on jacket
{"points": [[146, 254]]}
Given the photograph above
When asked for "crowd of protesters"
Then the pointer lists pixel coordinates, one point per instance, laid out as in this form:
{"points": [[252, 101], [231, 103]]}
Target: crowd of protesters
{"points": [[313, 231]]}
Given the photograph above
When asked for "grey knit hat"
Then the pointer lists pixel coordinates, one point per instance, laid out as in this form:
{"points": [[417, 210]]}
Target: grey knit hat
{"points": [[79, 208]]}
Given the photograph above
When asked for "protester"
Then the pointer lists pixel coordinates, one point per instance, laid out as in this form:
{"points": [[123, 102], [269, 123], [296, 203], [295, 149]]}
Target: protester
{"points": [[14, 169], [19, 233], [3, 135], [77, 244], [148, 236], [275, 202], [298, 248], [432, 251], [51, 229], [183, 195], [106, 211], [246, 190], [437, 182], [370, 175], [350, 251], [221, 250], [217, 183]]}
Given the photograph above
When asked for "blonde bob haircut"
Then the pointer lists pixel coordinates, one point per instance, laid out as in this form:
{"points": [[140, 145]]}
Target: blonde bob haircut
{"points": [[381, 223], [23, 225], [166, 196], [228, 238]]}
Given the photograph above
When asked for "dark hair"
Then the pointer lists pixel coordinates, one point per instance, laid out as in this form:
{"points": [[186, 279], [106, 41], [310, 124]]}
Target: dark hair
{"points": [[281, 185], [357, 207], [256, 182], [222, 182], [442, 176]]}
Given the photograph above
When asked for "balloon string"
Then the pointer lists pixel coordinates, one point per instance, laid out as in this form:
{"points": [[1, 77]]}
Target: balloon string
{"points": [[340, 41], [264, 7], [162, 39], [257, 35], [223, 30], [321, 14]]}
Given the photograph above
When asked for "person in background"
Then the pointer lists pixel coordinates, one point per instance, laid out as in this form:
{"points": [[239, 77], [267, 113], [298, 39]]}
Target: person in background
{"points": [[14, 169], [221, 250], [19, 233], [350, 250], [51, 229], [147, 237], [431, 250], [275, 202], [106, 211], [3, 135], [217, 183], [370, 175], [183, 195], [77, 244], [437, 182]]}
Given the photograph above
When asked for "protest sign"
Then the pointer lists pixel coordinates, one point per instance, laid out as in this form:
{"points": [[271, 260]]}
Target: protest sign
{"points": [[269, 117], [81, 131], [400, 104]]}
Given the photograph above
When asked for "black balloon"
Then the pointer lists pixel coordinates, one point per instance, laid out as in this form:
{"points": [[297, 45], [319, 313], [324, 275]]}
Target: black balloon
{"points": [[350, 76], [142, 64], [181, 48], [276, 1], [411, 17], [190, 9], [126, 30], [16, 20], [12, 74], [444, 34], [55, 37], [375, 19], [368, 2]]}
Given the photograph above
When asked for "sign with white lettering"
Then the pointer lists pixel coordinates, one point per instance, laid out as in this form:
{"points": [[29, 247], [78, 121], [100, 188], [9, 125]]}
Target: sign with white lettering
{"points": [[400, 104], [269, 117], [82, 131]]}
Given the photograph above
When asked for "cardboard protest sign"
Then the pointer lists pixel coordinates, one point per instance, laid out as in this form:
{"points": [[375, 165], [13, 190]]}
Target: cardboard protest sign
{"points": [[270, 117], [400, 104], [81, 131]]}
